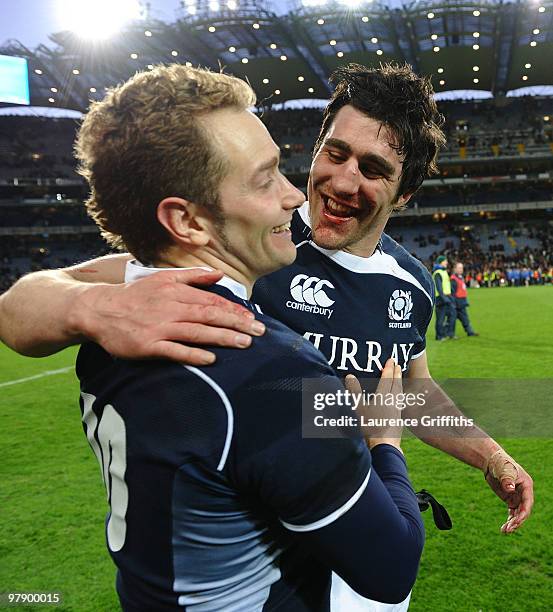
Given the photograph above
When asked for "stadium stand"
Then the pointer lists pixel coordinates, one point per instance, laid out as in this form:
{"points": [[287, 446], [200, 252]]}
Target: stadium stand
{"points": [[491, 205]]}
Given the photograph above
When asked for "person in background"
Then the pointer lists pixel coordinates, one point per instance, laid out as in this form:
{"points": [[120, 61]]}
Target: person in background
{"points": [[459, 293], [445, 303]]}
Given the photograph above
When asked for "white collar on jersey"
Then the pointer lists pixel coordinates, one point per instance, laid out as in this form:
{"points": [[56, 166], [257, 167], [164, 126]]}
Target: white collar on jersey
{"points": [[355, 263], [378, 263], [136, 270]]}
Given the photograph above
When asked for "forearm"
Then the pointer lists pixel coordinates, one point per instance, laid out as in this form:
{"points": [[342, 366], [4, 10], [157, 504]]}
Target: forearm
{"points": [[468, 443], [376, 546], [38, 315]]}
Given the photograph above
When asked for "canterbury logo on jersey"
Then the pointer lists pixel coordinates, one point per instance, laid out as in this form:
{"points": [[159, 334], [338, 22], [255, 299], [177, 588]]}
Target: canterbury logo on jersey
{"points": [[399, 309], [310, 295]]}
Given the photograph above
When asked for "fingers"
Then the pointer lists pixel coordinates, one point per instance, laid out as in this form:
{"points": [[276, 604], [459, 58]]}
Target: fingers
{"points": [[525, 498], [390, 379], [397, 384], [190, 295], [197, 333], [197, 276], [185, 354], [524, 509], [385, 384], [217, 317], [352, 384], [508, 485]]}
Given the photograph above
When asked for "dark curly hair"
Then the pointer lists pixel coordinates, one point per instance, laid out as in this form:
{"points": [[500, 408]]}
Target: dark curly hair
{"points": [[401, 100]]}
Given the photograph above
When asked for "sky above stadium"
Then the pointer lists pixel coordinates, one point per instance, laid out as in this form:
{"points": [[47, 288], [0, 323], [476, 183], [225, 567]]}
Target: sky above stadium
{"points": [[31, 21]]}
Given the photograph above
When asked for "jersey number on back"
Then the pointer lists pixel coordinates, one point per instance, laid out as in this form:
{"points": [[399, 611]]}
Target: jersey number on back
{"points": [[111, 453]]}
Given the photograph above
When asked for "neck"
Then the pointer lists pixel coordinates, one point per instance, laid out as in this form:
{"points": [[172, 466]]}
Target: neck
{"points": [[173, 258], [367, 246]]}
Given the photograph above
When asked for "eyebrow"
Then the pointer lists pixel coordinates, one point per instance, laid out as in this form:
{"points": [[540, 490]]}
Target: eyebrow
{"points": [[274, 161], [372, 158]]}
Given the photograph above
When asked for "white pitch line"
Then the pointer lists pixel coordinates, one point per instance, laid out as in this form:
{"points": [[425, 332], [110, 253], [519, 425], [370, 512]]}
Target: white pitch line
{"points": [[41, 375]]}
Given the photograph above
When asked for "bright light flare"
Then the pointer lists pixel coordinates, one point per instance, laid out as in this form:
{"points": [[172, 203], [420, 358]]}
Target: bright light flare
{"points": [[99, 19]]}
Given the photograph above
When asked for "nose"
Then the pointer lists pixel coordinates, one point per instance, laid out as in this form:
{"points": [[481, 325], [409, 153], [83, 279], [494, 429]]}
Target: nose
{"points": [[293, 197], [346, 178]]}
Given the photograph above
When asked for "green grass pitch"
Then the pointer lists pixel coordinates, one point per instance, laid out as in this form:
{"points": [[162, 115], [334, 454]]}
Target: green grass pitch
{"points": [[52, 501]]}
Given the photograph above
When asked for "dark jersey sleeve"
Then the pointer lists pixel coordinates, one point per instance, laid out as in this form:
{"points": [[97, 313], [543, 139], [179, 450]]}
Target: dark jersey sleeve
{"points": [[376, 546], [324, 490]]}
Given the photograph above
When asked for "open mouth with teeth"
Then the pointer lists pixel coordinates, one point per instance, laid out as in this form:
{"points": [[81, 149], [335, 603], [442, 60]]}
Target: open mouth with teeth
{"points": [[335, 210], [281, 229]]}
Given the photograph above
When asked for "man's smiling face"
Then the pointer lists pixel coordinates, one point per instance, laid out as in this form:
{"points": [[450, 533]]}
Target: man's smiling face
{"points": [[353, 183]]}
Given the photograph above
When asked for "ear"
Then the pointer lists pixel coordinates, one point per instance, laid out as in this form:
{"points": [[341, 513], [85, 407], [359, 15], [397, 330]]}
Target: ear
{"points": [[184, 220], [401, 202]]}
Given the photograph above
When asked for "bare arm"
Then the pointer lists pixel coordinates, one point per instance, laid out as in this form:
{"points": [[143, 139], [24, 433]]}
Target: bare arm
{"points": [[45, 312], [508, 479]]}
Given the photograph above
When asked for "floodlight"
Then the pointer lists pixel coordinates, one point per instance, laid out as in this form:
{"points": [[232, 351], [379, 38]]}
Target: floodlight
{"points": [[213, 5], [310, 90], [440, 70], [442, 82], [528, 65], [475, 80], [51, 100], [232, 5], [379, 52], [277, 91], [265, 81], [99, 19], [536, 31]]}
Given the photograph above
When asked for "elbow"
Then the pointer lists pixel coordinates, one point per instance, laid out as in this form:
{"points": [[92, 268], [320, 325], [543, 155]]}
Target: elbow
{"points": [[394, 571]]}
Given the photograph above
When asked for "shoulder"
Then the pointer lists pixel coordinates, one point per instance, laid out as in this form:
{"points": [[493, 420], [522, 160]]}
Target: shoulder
{"points": [[413, 266]]}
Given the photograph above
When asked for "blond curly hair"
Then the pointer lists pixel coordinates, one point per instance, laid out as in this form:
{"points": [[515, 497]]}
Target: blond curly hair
{"points": [[144, 142]]}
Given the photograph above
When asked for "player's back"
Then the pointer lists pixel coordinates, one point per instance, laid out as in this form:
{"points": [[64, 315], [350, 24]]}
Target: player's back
{"points": [[187, 456]]}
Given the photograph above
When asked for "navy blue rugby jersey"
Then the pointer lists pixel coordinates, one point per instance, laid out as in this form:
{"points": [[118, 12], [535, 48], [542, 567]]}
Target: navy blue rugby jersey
{"points": [[358, 311], [209, 479]]}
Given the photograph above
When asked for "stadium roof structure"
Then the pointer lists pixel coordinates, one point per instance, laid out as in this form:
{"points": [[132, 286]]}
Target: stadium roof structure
{"points": [[485, 45]]}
